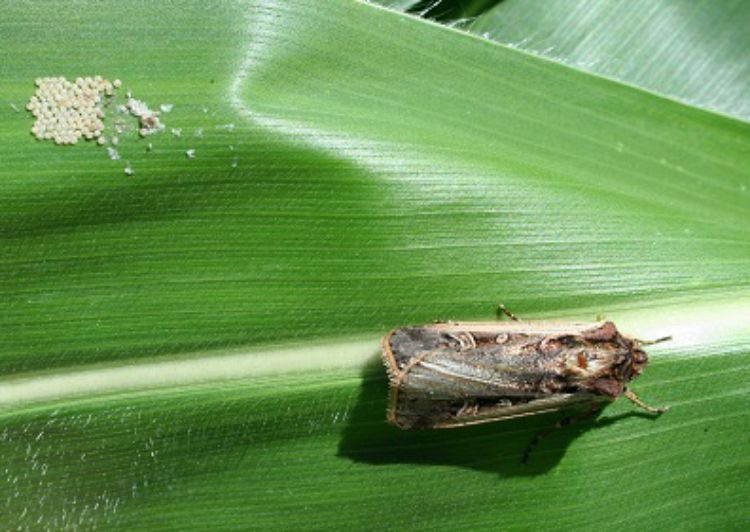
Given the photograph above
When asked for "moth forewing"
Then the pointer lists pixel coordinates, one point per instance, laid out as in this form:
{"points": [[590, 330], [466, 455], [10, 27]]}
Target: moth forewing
{"points": [[542, 405], [454, 374]]}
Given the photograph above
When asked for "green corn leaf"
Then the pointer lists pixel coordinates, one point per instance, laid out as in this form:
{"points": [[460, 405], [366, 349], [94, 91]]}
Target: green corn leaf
{"points": [[196, 345]]}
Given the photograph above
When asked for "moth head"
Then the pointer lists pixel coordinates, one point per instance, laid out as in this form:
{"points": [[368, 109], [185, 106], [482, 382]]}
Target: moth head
{"points": [[605, 367], [639, 358], [622, 367], [638, 361]]}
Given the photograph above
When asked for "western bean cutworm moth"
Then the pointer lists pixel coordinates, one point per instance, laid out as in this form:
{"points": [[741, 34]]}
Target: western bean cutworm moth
{"points": [[450, 374]]}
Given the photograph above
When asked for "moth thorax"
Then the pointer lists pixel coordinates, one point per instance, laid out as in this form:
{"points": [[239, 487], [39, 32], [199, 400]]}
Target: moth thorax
{"points": [[582, 364]]}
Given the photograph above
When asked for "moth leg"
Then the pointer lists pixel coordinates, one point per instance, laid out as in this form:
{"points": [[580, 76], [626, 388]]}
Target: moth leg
{"points": [[564, 422], [408, 367], [637, 401], [502, 310], [467, 409], [465, 340]]}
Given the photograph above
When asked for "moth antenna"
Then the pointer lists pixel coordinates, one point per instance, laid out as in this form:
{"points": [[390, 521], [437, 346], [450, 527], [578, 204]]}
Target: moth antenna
{"points": [[502, 309], [637, 401], [657, 341]]}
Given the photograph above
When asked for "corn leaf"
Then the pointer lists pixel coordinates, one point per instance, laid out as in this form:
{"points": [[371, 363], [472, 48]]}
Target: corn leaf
{"points": [[196, 345]]}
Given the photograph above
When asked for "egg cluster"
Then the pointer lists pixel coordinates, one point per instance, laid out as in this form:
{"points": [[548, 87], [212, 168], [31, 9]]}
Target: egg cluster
{"points": [[66, 111]]}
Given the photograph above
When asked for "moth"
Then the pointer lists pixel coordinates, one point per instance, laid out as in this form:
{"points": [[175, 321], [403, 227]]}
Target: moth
{"points": [[446, 375]]}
